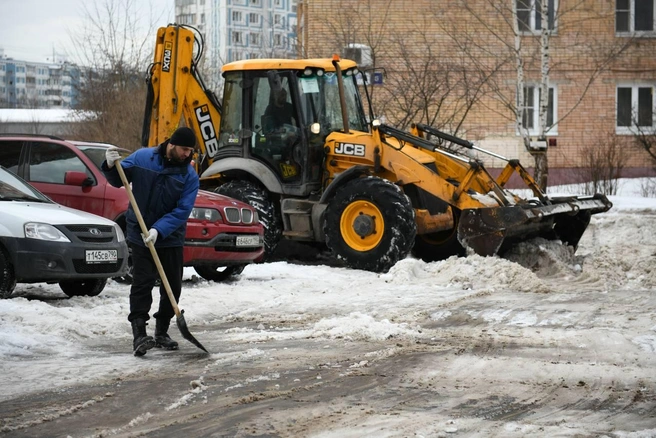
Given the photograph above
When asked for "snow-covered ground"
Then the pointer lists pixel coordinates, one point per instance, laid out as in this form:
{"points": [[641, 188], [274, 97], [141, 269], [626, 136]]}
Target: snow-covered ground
{"points": [[540, 343]]}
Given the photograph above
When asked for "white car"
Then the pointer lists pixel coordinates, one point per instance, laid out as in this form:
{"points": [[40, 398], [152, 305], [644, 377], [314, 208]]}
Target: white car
{"points": [[44, 242]]}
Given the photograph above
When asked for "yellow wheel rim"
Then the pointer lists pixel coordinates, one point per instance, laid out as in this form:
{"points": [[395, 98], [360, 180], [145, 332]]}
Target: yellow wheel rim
{"points": [[362, 226]]}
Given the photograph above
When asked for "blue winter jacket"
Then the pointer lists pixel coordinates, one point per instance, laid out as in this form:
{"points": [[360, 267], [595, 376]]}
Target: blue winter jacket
{"points": [[165, 193]]}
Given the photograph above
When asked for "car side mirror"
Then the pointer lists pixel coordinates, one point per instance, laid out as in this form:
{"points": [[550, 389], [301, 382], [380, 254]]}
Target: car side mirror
{"points": [[76, 178]]}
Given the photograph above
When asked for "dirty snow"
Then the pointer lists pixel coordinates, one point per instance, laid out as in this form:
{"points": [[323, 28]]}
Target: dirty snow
{"points": [[534, 296]]}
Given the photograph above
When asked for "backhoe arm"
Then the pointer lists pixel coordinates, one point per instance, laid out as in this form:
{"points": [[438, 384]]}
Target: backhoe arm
{"points": [[177, 92]]}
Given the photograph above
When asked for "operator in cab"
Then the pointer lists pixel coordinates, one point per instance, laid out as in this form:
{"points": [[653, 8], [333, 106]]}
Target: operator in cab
{"points": [[279, 112]]}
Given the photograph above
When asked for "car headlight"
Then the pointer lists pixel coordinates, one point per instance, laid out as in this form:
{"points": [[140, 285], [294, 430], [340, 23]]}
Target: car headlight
{"points": [[35, 230], [205, 214], [119, 233]]}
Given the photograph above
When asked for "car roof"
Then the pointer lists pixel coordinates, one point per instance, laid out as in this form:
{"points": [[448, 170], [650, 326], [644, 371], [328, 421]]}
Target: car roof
{"points": [[94, 144], [97, 144]]}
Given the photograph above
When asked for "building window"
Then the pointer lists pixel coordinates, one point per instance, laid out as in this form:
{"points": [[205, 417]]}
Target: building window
{"points": [[254, 18], [256, 2], [531, 115], [634, 16], [278, 3], [236, 16], [277, 40], [529, 18], [635, 109], [186, 19], [278, 21], [237, 38], [255, 39]]}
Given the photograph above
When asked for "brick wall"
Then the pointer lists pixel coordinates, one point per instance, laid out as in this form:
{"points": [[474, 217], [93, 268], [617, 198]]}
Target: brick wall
{"points": [[428, 32]]}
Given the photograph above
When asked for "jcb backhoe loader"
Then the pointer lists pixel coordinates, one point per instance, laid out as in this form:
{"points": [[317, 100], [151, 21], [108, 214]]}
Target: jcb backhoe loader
{"points": [[291, 138]]}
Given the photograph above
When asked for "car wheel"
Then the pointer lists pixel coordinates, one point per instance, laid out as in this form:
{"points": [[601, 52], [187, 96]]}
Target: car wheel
{"points": [[370, 224], [7, 276], [259, 199], [219, 273], [76, 288]]}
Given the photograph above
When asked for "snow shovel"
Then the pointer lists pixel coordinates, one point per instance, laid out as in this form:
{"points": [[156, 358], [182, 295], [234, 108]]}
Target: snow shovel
{"points": [[179, 317]]}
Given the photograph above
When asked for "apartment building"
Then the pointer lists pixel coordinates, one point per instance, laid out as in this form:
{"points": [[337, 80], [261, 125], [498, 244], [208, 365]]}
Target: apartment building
{"points": [[601, 82], [25, 84], [240, 29]]}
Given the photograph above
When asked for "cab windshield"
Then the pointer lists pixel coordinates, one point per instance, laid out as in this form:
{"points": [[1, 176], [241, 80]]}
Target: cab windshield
{"points": [[320, 102]]}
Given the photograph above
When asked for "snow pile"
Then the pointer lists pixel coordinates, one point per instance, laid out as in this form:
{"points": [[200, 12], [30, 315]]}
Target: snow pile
{"points": [[471, 272], [357, 326]]}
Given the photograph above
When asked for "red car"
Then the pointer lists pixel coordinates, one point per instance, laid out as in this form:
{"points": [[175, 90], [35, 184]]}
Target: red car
{"points": [[223, 234]]}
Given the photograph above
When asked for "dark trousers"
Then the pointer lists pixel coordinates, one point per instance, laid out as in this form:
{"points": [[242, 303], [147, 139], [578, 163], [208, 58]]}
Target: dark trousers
{"points": [[144, 277]]}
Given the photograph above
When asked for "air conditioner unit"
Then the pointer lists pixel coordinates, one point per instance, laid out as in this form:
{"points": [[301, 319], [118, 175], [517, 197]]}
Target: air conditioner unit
{"points": [[360, 53]]}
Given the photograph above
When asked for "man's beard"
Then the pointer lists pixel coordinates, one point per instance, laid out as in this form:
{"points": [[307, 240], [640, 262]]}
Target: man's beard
{"points": [[177, 159]]}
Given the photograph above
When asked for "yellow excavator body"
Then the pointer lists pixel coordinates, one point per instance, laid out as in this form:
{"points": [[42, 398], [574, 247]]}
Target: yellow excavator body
{"points": [[290, 137]]}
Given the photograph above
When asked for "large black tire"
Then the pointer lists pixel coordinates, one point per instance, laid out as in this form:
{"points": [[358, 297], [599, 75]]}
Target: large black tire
{"points": [[76, 288], [370, 224], [267, 210], [219, 273], [439, 246], [7, 276]]}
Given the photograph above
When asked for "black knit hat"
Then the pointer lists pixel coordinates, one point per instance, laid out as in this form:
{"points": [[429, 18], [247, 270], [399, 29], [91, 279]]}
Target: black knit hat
{"points": [[184, 137]]}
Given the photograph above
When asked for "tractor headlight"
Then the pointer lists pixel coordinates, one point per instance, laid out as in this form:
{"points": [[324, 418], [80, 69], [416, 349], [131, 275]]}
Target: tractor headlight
{"points": [[35, 230]]}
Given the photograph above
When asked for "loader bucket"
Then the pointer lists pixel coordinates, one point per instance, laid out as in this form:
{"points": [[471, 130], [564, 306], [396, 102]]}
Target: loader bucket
{"points": [[490, 231]]}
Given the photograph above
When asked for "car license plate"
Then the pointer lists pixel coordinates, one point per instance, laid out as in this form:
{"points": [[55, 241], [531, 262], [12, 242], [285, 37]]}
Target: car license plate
{"points": [[248, 240], [102, 256]]}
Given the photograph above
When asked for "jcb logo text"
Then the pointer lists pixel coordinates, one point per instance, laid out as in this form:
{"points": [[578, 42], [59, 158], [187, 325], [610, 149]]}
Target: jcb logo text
{"points": [[207, 130], [166, 60], [350, 149]]}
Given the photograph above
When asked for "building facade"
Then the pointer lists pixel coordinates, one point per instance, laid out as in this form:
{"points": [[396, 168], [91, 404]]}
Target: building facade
{"points": [[602, 70], [25, 84], [240, 29]]}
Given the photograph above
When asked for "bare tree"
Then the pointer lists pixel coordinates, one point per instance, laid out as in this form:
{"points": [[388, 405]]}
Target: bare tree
{"points": [[602, 163], [646, 141], [115, 47], [424, 81], [361, 23], [429, 82], [525, 40]]}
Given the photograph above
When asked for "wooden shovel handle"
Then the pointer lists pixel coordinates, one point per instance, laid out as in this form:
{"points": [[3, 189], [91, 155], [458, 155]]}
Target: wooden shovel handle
{"points": [[144, 231]]}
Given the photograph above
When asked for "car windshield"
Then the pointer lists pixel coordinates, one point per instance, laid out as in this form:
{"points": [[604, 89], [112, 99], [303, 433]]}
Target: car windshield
{"points": [[13, 188]]}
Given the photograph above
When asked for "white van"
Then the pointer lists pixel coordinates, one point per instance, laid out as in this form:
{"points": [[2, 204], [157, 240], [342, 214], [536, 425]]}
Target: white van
{"points": [[44, 242]]}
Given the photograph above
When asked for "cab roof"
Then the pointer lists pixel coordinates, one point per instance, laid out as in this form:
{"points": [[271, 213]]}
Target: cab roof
{"points": [[287, 64]]}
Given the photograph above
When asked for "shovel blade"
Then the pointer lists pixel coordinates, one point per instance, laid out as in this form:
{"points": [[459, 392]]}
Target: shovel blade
{"points": [[184, 330]]}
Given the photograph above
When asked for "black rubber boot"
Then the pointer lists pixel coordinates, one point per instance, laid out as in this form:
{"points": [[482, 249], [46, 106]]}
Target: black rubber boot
{"points": [[142, 342], [162, 338]]}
